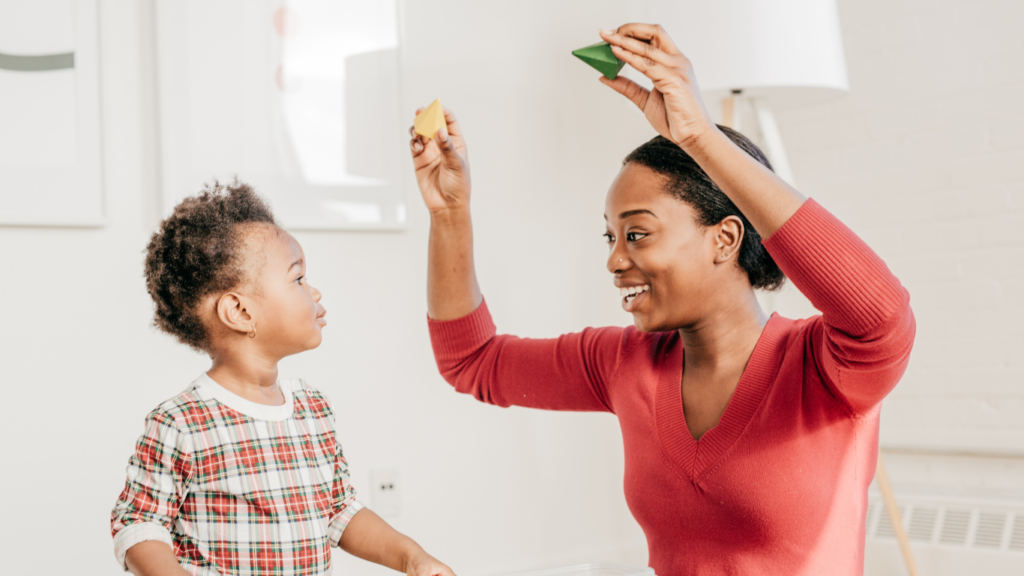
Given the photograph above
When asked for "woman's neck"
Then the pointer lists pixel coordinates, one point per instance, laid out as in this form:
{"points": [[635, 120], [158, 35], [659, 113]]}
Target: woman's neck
{"points": [[725, 337], [248, 375]]}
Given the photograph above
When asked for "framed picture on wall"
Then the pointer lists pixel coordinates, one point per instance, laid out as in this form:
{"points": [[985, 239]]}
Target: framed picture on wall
{"points": [[50, 171], [299, 98]]}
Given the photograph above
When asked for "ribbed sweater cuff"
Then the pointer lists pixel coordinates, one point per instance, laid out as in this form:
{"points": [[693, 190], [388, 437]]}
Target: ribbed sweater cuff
{"points": [[453, 340], [836, 270]]}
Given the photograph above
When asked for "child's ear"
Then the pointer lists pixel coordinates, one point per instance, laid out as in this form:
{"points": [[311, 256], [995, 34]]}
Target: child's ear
{"points": [[231, 311]]}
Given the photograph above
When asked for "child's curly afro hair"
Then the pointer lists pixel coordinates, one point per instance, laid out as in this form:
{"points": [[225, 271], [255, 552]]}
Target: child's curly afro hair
{"points": [[196, 251]]}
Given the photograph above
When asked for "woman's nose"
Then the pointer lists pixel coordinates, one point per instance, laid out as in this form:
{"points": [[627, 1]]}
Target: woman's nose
{"points": [[618, 260]]}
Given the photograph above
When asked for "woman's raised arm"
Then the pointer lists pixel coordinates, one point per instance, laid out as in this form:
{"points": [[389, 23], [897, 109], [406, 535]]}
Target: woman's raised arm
{"points": [[442, 172], [566, 373]]}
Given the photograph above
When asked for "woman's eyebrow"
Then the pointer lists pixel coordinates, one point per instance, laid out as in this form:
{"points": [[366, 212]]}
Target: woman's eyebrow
{"points": [[629, 213]]}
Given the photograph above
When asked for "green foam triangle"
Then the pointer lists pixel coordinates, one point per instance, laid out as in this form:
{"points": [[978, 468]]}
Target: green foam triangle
{"points": [[600, 57]]}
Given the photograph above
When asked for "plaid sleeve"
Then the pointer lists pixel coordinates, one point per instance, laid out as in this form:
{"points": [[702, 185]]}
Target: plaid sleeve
{"points": [[343, 497], [158, 476]]}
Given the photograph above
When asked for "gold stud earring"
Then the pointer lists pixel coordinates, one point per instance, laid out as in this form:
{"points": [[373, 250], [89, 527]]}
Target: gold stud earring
{"points": [[252, 332]]}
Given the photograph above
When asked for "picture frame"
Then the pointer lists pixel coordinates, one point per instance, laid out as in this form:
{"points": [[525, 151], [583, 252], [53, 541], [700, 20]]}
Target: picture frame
{"points": [[50, 148], [298, 98]]}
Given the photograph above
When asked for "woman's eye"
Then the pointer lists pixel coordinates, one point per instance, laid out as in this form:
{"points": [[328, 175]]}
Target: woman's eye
{"points": [[608, 237], [634, 236]]}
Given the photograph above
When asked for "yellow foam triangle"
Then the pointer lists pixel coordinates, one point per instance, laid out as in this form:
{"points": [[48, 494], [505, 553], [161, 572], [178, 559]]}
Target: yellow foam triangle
{"points": [[431, 120]]}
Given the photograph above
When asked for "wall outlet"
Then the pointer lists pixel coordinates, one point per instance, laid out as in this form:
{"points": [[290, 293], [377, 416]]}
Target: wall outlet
{"points": [[384, 498]]}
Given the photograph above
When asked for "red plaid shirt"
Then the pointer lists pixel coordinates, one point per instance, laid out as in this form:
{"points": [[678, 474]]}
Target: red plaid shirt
{"points": [[237, 487]]}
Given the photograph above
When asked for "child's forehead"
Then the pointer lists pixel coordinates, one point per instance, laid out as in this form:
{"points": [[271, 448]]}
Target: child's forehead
{"points": [[274, 243]]}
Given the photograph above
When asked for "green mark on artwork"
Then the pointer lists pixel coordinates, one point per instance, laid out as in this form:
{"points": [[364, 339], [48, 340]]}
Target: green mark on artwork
{"points": [[37, 63]]}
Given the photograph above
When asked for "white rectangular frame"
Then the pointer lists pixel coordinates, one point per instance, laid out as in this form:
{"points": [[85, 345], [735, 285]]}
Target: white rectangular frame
{"points": [[54, 186], [179, 179]]}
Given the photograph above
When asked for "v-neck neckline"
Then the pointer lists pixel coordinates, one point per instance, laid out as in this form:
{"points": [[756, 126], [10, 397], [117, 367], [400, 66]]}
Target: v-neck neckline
{"points": [[694, 458]]}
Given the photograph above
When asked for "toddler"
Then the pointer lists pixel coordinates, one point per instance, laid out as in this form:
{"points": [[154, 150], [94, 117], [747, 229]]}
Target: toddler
{"points": [[242, 473]]}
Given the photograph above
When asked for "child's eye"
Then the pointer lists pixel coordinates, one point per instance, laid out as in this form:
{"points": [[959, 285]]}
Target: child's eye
{"points": [[634, 236], [608, 237], [299, 280]]}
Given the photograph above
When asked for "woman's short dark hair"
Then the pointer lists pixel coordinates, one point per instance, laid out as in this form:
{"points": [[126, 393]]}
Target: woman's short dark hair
{"points": [[689, 183], [197, 251]]}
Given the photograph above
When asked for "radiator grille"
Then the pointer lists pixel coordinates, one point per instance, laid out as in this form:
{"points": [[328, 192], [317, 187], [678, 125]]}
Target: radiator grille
{"points": [[990, 530], [961, 524], [922, 523], [884, 529], [954, 527], [1017, 534]]}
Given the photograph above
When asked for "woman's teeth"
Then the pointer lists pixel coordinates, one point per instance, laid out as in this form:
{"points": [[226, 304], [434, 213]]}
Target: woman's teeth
{"points": [[632, 291]]}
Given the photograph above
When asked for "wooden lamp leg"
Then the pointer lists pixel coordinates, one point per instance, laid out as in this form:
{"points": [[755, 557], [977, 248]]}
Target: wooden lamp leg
{"points": [[729, 112], [894, 516]]}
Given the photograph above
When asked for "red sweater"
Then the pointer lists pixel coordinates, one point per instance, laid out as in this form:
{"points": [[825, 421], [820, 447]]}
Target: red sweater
{"points": [[779, 486]]}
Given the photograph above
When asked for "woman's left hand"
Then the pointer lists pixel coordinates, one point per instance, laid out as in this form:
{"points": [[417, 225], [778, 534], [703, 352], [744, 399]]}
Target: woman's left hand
{"points": [[674, 106]]}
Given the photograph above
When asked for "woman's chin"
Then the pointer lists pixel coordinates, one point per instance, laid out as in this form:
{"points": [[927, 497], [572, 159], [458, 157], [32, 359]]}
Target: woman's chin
{"points": [[643, 323]]}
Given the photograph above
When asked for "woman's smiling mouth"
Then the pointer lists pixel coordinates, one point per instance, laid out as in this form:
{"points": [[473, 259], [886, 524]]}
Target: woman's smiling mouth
{"points": [[632, 296]]}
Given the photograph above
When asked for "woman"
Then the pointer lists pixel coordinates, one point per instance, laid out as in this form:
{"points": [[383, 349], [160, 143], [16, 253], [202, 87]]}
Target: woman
{"points": [[750, 440]]}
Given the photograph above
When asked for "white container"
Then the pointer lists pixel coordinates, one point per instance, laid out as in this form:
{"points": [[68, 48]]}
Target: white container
{"points": [[593, 569]]}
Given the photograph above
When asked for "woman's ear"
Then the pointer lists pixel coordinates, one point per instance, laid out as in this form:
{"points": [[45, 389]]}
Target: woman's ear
{"points": [[232, 313], [728, 238]]}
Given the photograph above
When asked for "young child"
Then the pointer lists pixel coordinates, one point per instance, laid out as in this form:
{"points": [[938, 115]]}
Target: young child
{"points": [[241, 473]]}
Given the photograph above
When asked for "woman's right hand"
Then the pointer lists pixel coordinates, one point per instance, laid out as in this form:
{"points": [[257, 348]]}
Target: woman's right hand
{"points": [[442, 166]]}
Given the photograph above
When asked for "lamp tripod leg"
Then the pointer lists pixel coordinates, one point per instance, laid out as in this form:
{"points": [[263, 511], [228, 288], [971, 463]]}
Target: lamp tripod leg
{"points": [[773, 147], [729, 112], [894, 516]]}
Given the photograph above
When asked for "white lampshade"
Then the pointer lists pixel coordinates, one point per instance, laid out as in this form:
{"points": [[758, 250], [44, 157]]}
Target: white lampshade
{"points": [[788, 51]]}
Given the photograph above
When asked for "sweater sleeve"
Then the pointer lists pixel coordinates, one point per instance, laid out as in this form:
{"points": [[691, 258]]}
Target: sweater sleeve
{"points": [[863, 338], [570, 372]]}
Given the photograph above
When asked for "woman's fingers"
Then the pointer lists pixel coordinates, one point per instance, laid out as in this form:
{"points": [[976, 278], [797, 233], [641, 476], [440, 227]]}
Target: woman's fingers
{"points": [[649, 51], [452, 122], [445, 150], [652, 33], [449, 149], [644, 65], [637, 94]]}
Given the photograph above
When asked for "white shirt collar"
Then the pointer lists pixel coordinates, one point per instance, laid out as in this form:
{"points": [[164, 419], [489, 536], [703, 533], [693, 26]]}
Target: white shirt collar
{"points": [[211, 390]]}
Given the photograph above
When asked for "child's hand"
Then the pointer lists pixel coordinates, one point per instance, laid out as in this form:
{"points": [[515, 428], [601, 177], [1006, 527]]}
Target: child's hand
{"points": [[424, 564]]}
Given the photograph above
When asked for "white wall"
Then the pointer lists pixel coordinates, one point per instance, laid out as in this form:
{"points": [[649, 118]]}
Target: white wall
{"points": [[922, 158], [484, 489]]}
